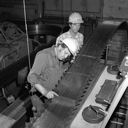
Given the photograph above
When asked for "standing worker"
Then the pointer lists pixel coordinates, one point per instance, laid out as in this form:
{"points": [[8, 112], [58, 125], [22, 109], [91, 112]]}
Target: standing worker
{"points": [[75, 20], [49, 67]]}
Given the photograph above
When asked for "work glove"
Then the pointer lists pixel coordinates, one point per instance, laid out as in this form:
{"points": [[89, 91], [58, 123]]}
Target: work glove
{"points": [[51, 94]]}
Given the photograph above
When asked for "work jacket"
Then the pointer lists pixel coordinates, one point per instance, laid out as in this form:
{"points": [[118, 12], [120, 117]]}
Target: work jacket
{"points": [[46, 70]]}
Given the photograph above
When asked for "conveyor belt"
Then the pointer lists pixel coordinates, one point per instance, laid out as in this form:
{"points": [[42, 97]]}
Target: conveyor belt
{"points": [[79, 80], [98, 40]]}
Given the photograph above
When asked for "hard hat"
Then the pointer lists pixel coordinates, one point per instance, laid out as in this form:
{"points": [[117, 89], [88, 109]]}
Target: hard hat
{"points": [[75, 18], [72, 45]]}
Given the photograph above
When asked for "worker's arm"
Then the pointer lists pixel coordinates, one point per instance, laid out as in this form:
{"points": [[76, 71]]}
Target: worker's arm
{"points": [[39, 66], [46, 93], [41, 89], [34, 78], [81, 39]]}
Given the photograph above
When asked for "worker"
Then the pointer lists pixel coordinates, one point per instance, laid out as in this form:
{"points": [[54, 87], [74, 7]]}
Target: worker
{"points": [[48, 66], [47, 70], [75, 20]]}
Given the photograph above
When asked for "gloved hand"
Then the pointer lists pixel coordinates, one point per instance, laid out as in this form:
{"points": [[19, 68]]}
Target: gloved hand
{"points": [[51, 94], [73, 59]]}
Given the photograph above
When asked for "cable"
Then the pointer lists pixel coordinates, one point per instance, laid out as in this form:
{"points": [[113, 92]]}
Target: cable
{"points": [[28, 48]]}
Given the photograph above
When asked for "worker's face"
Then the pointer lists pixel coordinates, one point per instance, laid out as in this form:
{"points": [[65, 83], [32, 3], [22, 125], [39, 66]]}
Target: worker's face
{"points": [[75, 27], [62, 53]]}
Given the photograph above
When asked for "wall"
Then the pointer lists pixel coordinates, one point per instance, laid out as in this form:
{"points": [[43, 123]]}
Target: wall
{"points": [[51, 7], [91, 8], [101, 8], [115, 9], [14, 9], [65, 7]]}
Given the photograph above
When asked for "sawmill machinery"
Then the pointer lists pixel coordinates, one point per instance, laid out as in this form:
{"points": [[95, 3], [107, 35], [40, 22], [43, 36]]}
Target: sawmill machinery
{"points": [[92, 93]]}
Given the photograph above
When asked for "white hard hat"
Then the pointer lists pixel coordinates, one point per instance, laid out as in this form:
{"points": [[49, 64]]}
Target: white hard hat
{"points": [[75, 17], [72, 45]]}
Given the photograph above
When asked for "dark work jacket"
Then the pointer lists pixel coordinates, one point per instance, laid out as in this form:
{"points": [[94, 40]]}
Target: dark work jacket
{"points": [[47, 69]]}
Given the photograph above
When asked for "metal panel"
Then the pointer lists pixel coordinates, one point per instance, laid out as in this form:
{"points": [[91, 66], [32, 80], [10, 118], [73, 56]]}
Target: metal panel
{"points": [[66, 5], [115, 9], [14, 8], [53, 5], [79, 5], [93, 6]]}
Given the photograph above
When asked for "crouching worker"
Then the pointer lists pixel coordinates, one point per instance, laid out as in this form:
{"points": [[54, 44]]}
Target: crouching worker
{"points": [[48, 68]]}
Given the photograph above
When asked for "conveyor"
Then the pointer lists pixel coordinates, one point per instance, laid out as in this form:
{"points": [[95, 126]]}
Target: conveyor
{"points": [[79, 81]]}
